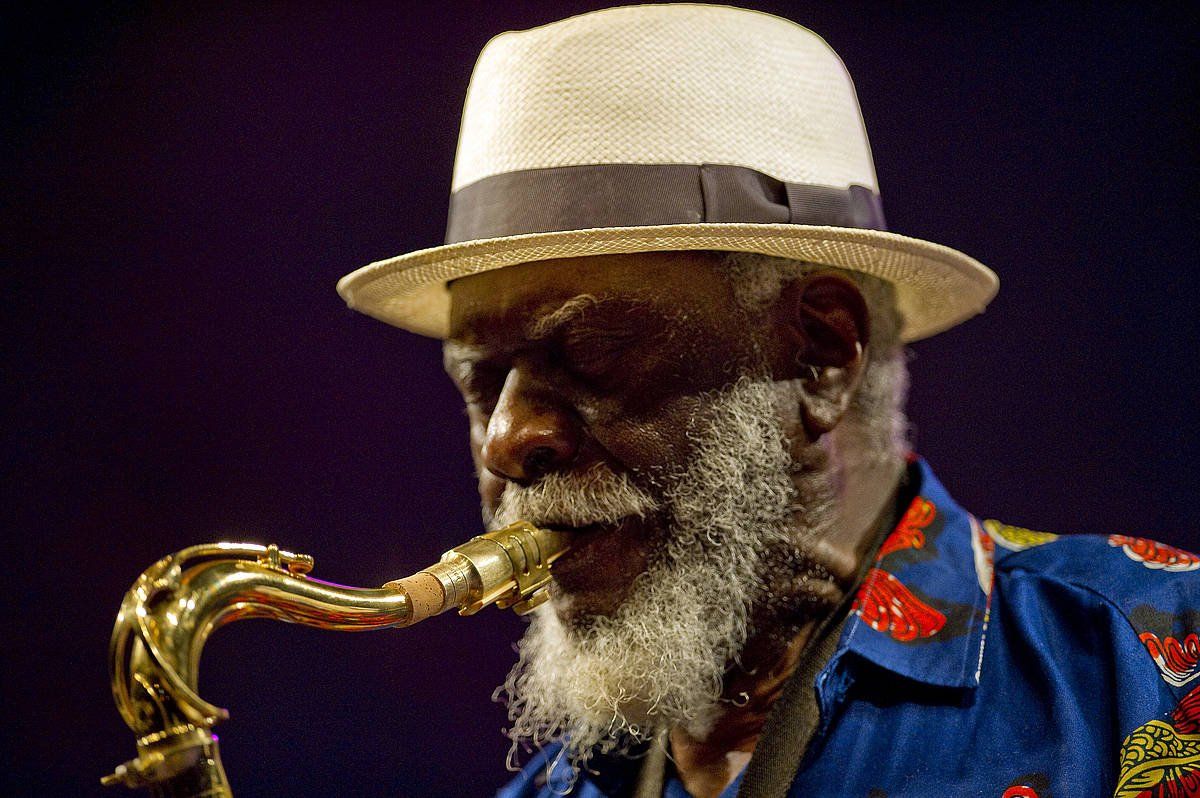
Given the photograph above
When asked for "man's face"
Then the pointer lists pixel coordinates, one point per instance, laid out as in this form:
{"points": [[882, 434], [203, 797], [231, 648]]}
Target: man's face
{"points": [[593, 365], [630, 399]]}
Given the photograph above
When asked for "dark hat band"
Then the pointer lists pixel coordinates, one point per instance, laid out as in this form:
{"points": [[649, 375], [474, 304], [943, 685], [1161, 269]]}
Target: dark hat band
{"points": [[636, 195]]}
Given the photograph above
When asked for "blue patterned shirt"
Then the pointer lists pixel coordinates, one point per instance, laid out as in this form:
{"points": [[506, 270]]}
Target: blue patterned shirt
{"points": [[982, 659]]}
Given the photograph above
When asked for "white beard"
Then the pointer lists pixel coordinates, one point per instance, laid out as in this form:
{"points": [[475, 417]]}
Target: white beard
{"points": [[661, 658]]}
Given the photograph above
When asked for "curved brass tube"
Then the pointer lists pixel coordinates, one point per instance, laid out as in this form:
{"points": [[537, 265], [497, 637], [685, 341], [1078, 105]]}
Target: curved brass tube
{"points": [[174, 606]]}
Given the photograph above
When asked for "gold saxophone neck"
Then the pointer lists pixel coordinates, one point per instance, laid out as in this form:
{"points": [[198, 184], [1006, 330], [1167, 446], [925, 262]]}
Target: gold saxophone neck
{"points": [[172, 608]]}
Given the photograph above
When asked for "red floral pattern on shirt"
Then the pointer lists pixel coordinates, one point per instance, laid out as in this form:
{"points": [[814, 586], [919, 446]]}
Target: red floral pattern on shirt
{"points": [[1177, 660], [1152, 554], [888, 606], [1020, 791], [1186, 717], [910, 532]]}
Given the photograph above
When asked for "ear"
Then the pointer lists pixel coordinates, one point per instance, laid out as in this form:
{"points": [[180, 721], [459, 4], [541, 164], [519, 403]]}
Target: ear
{"points": [[823, 326]]}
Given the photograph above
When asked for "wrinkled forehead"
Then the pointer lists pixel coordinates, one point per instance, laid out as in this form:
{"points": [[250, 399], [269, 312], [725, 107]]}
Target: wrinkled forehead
{"points": [[532, 298]]}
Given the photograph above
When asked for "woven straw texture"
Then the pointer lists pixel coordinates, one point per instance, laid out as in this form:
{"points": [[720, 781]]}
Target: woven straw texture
{"points": [[937, 287], [665, 84]]}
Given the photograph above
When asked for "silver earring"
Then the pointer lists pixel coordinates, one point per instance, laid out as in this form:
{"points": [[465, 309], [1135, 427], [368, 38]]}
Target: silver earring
{"points": [[813, 372]]}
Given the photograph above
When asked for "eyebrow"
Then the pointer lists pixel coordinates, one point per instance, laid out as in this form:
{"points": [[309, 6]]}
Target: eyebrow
{"points": [[455, 352], [543, 327], [568, 311]]}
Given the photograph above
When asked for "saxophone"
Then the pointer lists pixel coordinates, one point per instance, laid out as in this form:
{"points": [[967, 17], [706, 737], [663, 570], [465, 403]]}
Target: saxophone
{"points": [[175, 604]]}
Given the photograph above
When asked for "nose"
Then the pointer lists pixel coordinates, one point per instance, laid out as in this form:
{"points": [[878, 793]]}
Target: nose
{"points": [[531, 433]]}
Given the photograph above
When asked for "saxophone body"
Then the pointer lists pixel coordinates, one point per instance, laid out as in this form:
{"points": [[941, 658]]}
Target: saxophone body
{"points": [[175, 604]]}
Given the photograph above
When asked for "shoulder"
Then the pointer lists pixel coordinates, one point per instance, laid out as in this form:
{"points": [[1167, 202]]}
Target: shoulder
{"points": [[1155, 587], [1106, 562], [1124, 569]]}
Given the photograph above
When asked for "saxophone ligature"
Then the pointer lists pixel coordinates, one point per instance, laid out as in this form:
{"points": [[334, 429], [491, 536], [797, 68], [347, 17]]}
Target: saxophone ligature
{"points": [[174, 606]]}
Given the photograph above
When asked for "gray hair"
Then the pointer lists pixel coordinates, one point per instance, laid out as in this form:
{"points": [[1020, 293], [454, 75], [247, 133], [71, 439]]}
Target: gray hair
{"points": [[875, 420]]}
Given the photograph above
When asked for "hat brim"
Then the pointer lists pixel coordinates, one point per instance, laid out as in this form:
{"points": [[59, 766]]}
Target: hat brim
{"points": [[936, 286]]}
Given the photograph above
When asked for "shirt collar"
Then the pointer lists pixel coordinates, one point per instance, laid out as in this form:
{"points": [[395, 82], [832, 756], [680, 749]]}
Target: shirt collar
{"points": [[922, 609]]}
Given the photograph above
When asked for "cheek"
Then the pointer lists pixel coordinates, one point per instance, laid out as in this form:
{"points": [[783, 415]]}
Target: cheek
{"points": [[653, 442], [490, 489], [788, 401]]}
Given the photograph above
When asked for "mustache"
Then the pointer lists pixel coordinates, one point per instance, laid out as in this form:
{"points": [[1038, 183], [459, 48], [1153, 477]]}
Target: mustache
{"points": [[596, 496]]}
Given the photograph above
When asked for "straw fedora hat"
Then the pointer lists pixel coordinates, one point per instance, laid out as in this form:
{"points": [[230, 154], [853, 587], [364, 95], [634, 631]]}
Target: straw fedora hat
{"points": [[666, 127]]}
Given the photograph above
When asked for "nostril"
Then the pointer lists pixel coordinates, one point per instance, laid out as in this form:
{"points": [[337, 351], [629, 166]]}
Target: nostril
{"points": [[540, 461]]}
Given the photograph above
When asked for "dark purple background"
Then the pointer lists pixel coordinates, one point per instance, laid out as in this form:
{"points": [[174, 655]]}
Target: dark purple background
{"points": [[185, 187]]}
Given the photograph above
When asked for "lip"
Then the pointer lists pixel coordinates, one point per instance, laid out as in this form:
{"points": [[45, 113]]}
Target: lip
{"points": [[600, 566], [582, 538]]}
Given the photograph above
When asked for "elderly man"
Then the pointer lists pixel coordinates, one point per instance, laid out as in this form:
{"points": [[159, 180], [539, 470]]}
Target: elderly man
{"points": [[678, 323]]}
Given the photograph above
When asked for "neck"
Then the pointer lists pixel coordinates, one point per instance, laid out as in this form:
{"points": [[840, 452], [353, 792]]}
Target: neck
{"points": [[707, 763], [866, 499]]}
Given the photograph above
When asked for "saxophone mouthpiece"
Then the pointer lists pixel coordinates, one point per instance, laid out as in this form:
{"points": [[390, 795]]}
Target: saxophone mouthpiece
{"points": [[509, 567]]}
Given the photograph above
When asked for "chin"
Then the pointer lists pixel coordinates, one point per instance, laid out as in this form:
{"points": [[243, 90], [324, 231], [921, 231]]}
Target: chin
{"points": [[577, 611]]}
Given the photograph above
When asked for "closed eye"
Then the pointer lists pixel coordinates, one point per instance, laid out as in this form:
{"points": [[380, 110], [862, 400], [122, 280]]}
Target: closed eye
{"points": [[594, 352], [481, 383]]}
